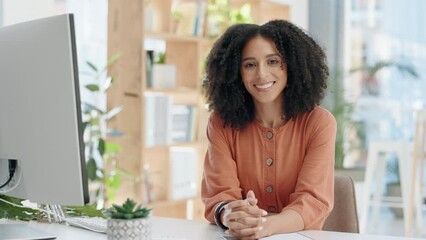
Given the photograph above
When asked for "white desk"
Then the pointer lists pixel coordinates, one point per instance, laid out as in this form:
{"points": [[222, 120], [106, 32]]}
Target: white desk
{"points": [[178, 229]]}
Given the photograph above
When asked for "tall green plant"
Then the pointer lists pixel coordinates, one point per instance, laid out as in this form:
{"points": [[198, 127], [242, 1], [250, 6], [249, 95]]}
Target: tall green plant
{"points": [[101, 163], [342, 111], [369, 74]]}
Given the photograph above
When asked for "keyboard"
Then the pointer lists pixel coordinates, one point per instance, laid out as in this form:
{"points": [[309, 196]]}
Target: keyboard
{"points": [[99, 225], [95, 224]]}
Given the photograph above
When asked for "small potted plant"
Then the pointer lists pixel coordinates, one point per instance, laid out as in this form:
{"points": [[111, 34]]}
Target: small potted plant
{"points": [[128, 221]]}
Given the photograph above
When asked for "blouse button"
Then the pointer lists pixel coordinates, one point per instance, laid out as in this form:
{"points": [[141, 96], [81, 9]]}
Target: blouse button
{"points": [[272, 209], [269, 161], [269, 189], [269, 135]]}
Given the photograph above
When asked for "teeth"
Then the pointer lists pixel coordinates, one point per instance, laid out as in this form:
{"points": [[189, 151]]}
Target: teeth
{"points": [[265, 86]]}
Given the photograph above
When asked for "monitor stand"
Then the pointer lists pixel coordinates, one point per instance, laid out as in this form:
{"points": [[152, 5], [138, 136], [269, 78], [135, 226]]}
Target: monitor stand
{"points": [[12, 231]]}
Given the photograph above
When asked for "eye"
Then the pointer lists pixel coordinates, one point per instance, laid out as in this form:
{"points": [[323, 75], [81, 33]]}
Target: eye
{"points": [[274, 62], [249, 65]]}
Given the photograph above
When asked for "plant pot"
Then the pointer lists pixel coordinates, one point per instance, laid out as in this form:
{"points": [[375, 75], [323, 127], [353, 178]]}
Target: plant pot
{"points": [[139, 228], [163, 76]]}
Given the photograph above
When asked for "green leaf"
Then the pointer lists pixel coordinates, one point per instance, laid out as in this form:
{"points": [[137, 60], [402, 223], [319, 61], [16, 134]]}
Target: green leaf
{"points": [[123, 171], [111, 194], [120, 209], [112, 60], [114, 133], [87, 211], [126, 210], [8, 211], [94, 121], [112, 147], [83, 127], [91, 168], [142, 213], [92, 66], [114, 181], [108, 82], [129, 205], [113, 113], [90, 107], [92, 87], [101, 146]]}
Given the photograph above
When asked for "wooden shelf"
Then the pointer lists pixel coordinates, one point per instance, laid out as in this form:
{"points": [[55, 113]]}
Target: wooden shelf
{"points": [[126, 35], [182, 95], [175, 38]]}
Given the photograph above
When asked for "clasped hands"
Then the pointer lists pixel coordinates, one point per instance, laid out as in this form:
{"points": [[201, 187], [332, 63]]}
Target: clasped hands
{"points": [[244, 218]]}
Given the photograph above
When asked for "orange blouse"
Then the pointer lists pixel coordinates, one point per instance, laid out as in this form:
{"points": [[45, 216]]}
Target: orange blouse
{"points": [[289, 167]]}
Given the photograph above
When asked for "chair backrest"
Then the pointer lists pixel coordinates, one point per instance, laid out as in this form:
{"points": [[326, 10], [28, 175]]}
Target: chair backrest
{"points": [[344, 216]]}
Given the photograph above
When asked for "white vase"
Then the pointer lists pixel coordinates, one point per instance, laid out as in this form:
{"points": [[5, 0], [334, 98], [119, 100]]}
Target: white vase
{"points": [[129, 229], [163, 76]]}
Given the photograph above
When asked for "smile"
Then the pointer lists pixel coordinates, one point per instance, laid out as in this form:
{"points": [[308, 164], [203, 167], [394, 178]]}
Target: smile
{"points": [[264, 86]]}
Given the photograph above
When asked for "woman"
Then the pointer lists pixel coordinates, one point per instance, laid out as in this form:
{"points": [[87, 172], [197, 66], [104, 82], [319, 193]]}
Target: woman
{"points": [[269, 167]]}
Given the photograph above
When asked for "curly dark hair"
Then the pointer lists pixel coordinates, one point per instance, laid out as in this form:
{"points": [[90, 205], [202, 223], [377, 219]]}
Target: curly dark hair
{"points": [[307, 71]]}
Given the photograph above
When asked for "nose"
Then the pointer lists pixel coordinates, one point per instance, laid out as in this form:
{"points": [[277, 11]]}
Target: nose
{"points": [[262, 71]]}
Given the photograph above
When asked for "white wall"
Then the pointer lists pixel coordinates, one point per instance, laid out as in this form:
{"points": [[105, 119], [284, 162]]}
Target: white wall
{"points": [[15, 11], [299, 13]]}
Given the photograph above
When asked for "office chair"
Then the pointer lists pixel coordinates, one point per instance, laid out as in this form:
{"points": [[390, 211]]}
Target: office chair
{"points": [[344, 216]]}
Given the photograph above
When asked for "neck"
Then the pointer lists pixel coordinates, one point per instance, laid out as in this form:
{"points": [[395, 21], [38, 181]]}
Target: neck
{"points": [[270, 115]]}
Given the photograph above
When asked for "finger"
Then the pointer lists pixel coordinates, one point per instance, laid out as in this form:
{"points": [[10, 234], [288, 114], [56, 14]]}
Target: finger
{"points": [[249, 233], [236, 225], [251, 198], [244, 222], [234, 216], [252, 237], [248, 211], [236, 204], [255, 211], [250, 195], [252, 201], [252, 221]]}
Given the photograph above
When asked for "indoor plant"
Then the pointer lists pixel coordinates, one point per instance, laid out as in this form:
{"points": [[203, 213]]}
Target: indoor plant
{"points": [[128, 221], [102, 170]]}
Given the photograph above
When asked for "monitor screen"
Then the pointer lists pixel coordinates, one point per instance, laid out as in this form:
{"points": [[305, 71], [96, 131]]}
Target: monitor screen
{"points": [[40, 114]]}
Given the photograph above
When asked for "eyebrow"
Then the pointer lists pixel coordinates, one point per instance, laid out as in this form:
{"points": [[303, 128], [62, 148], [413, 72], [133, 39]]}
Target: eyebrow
{"points": [[267, 56]]}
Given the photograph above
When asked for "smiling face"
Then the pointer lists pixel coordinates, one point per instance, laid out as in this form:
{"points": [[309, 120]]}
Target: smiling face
{"points": [[263, 71]]}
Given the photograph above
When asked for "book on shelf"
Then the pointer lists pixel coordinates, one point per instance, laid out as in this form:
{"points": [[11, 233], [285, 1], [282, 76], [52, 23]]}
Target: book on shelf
{"points": [[183, 172], [158, 122], [183, 123], [192, 20]]}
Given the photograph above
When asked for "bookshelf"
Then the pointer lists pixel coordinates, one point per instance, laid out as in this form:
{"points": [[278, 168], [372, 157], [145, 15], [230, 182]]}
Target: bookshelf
{"points": [[136, 27]]}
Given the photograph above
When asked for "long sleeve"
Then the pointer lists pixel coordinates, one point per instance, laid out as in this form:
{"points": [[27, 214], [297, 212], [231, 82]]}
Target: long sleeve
{"points": [[220, 181], [313, 197], [291, 166]]}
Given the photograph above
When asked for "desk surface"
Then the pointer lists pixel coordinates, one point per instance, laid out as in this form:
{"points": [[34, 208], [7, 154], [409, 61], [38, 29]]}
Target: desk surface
{"points": [[179, 229]]}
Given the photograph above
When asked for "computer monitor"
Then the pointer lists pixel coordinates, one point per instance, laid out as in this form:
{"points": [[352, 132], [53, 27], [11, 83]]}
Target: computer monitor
{"points": [[40, 114]]}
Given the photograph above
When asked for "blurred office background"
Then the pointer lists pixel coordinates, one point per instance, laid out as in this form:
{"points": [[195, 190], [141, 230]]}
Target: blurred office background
{"points": [[377, 56]]}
